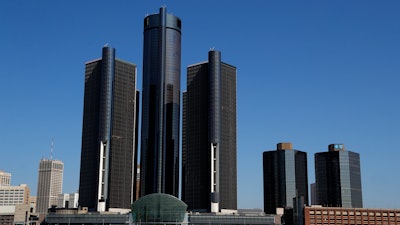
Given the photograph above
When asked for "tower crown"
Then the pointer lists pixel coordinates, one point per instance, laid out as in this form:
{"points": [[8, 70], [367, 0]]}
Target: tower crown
{"points": [[336, 147]]}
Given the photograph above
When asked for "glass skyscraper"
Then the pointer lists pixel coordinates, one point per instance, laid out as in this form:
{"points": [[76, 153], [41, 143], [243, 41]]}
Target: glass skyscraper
{"points": [[159, 164], [108, 156], [209, 173], [338, 178], [285, 177]]}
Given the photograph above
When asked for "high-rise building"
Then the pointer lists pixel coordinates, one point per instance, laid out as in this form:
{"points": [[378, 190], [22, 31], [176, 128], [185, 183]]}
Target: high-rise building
{"points": [[5, 178], [159, 172], [209, 172], [338, 178], [49, 184], [285, 177], [108, 154]]}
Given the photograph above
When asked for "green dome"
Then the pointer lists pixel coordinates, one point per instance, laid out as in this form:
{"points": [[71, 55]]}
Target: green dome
{"points": [[158, 207]]}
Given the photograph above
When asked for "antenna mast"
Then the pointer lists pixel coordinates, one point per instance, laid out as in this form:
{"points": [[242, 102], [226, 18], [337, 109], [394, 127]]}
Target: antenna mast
{"points": [[51, 148]]}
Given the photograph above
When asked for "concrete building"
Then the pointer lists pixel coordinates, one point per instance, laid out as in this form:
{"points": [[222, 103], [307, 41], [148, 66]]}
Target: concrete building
{"points": [[68, 200], [209, 140], [5, 178], [338, 178], [18, 215], [14, 195], [108, 153], [32, 203], [49, 184], [7, 215]]}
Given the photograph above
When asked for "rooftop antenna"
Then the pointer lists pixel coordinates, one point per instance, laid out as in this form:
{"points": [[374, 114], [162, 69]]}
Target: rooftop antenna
{"points": [[51, 148]]}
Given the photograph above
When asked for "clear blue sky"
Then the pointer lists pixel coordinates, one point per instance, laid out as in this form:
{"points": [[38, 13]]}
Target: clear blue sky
{"points": [[308, 72]]}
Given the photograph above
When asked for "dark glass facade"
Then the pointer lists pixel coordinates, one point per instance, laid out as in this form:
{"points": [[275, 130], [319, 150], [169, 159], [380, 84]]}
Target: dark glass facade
{"points": [[285, 178], [209, 121], [108, 133], [338, 178], [160, 106]]}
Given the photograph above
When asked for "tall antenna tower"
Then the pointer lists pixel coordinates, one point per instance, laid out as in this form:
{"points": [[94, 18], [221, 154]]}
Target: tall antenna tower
{"points": [[51, 148]]}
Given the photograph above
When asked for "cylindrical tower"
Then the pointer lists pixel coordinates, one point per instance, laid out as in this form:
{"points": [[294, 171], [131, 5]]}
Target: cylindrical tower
{"points": [[160, 104], [214, 123], [105, 122]]}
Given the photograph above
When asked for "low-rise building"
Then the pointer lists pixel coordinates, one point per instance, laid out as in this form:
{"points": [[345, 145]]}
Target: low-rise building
{"points": [[14, 195], [317, 215]]}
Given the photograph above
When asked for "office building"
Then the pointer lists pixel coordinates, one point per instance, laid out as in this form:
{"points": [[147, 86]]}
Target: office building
{"points": [[314, 215], [338, 178], [14, 195], [108, 134], [159, 172], [285, 177], [209, 169], [49, 184], [5, 178]]}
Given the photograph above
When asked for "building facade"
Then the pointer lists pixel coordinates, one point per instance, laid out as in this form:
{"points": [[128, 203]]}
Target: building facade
{"points": [[108, 156], [68, 201], [209, 171], [14, 195], [338, 178], [5, 178], [358, 216], [285, 177], [160, 106], [49, 184]]}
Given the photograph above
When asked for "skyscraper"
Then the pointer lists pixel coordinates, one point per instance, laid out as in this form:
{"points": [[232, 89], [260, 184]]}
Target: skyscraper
{"points": [[209, 173], [159, 165], [49, 184], [338, 178], [285, 177], [108, 134]]}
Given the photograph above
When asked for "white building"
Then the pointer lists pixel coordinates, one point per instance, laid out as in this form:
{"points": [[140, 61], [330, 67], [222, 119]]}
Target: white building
{"points": [[49, 184], [68, 201], [5, 178]]}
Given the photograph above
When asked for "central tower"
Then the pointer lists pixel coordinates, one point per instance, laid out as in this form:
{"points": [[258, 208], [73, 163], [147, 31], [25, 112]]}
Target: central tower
{"points": [[161, 102]]}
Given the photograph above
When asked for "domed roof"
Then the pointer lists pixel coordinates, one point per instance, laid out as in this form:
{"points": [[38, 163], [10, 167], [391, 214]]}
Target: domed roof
{"points": [[158, 207]]}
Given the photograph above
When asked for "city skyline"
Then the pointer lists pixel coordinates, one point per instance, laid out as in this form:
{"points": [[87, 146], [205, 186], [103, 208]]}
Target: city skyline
{"points": [[309, 73]]}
